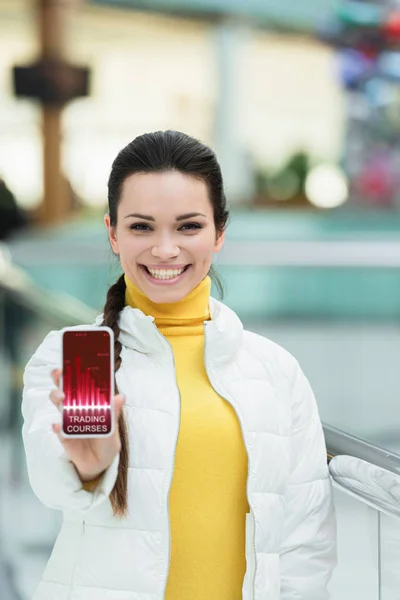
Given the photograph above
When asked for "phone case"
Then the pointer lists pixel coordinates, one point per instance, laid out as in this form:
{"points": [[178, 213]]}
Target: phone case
{"points": [[87, 381]]}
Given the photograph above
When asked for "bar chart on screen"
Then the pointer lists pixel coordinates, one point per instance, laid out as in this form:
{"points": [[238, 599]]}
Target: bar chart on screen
{"points": [[86, 383]]}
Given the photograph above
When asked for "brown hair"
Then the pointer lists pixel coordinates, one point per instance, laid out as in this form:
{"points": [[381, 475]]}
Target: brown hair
{"points": [[114, 304], [154, 153]]}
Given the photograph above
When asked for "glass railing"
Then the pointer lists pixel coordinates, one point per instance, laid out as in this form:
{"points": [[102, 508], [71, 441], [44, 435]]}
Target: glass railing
{"points": [[27, 528], [366, 484], [367, 500], [356, 422]]}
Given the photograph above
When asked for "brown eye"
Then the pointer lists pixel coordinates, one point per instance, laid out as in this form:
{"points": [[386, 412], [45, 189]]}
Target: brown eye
{"points": [[139, 227], [191, 226]]}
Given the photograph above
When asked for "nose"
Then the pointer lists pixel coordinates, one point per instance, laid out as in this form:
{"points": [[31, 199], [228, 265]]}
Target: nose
{"points": [[165, 248]]}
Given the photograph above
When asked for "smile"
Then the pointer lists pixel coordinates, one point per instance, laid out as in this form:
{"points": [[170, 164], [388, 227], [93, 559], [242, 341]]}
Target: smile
{"points": [[164, 275]]}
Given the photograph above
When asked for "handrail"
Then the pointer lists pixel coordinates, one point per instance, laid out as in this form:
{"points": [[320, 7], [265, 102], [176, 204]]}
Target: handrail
{"points": [[367, 482], [56, 308], [339, 442]]}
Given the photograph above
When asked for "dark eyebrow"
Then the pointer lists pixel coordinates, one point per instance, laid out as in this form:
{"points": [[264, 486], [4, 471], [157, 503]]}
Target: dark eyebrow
{"points": [[180, 218], [189, 216], [137, 216]]}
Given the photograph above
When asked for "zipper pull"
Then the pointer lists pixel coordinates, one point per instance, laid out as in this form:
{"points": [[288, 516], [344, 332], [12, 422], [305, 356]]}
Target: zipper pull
{"points": [[83, 528]]}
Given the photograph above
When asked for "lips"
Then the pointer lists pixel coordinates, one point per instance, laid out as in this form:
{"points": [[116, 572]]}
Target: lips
{"points": [[169, 276]]}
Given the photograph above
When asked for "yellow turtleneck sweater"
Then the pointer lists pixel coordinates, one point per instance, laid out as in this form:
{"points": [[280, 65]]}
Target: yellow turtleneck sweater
{"points": [[208, 501]]}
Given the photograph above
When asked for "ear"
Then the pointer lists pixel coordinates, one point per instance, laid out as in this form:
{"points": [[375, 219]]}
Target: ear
{"points": [[219, 240], [111, 234]]}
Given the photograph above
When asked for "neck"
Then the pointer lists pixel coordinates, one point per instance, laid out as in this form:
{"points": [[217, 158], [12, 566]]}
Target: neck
{"points": [[174, 318]]}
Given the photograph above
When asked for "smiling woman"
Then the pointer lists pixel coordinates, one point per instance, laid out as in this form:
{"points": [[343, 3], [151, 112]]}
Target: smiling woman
{"points": [[162, 251], [218, 486]]}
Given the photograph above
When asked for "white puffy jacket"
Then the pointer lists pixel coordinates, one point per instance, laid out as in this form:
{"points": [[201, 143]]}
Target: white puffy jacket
{"points": [[290, 531]]}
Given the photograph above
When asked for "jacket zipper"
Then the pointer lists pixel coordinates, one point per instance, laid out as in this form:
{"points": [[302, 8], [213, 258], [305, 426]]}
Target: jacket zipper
{"points": [[173, 463], [75, 560], [253, 585]]}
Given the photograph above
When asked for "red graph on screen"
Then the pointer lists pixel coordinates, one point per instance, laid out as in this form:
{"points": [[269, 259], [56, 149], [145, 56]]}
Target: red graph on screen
{"points": [[86, 382]]}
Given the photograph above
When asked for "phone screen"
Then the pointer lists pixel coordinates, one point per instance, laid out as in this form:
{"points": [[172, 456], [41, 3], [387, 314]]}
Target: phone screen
{"points": [[87, 383]]}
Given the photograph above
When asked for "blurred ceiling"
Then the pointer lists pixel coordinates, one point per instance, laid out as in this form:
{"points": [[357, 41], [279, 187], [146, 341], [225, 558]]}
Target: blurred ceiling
{"points": [[300, 15]]}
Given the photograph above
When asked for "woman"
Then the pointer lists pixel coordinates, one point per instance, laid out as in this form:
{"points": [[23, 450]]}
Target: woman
{"points": [[215, 485]]}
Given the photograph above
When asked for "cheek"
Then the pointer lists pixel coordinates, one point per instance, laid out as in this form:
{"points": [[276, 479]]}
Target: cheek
{"points": [[203, 248], [204, 244], [131, 246], [204, 253]]}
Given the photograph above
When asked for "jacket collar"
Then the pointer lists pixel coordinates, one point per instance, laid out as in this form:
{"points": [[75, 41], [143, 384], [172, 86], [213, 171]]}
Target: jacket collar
{"points": [[224, 332]]}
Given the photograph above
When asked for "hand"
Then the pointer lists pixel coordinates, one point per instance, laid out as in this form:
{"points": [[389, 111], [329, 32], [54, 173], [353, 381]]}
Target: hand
{"points": [[90, 456]]}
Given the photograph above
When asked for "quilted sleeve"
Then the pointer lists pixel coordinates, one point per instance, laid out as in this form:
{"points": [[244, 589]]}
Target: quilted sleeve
{"points": [[308, 549], [52, 475]]}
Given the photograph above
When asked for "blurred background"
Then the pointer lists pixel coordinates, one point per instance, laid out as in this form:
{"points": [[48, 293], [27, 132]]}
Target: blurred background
{"points": [[301, 101]]}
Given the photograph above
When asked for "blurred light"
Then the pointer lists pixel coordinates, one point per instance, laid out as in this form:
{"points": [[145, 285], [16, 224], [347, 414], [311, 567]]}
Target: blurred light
{"points": [[327, 186], [389, 65], [88, 162], [353, 67], [392, 26], [380, 93], [21, 168]]}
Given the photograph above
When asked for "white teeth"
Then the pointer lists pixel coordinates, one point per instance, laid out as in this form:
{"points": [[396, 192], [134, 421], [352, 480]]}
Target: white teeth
{"points": [[165, 273]]}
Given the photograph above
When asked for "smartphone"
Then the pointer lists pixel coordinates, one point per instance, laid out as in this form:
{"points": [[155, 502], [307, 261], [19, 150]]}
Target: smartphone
{"points": [[88, 382]]}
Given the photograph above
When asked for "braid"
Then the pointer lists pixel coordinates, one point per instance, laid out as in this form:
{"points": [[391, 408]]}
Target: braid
{"points": [[114, 304]]}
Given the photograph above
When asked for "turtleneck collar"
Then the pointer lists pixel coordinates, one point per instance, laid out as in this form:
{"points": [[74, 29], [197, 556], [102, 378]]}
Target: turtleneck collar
{"points": [[138, 332], [185, 317]]}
